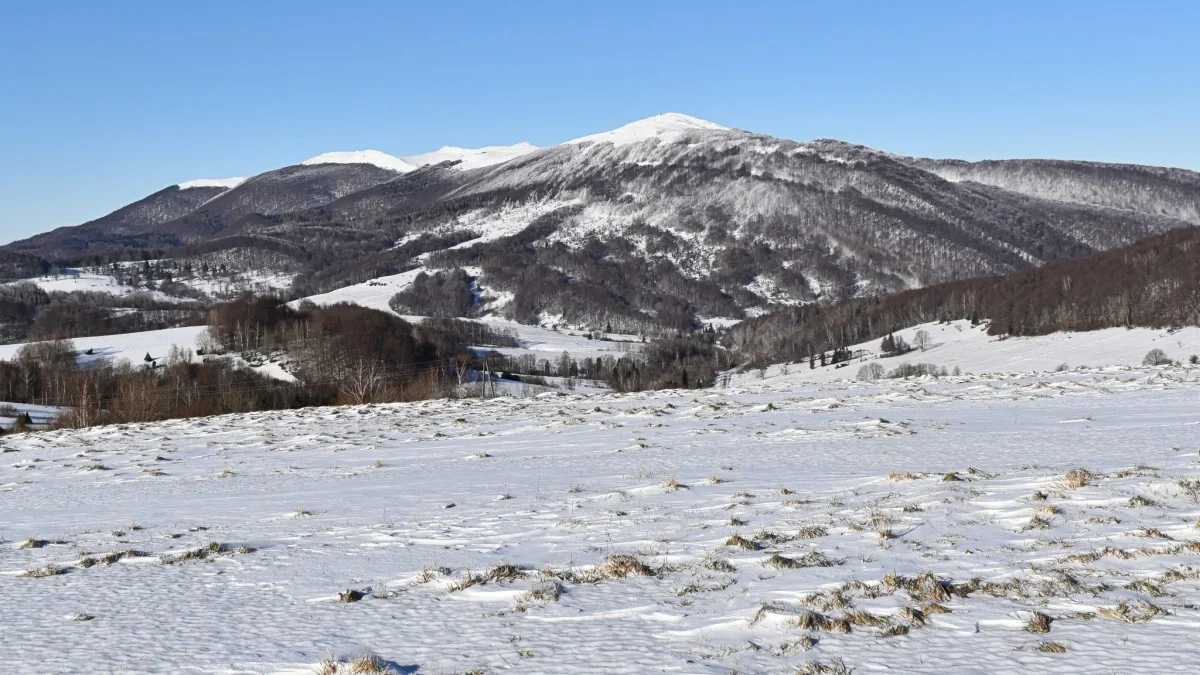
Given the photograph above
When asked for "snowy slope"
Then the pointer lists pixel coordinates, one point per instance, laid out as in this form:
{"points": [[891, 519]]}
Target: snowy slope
{"points": [[667, 127], [537, 340], [972, 350], [374, 294], [212, 182], [907, 527], [130, 346], [469, 158], [72, 280], [373, 157]]}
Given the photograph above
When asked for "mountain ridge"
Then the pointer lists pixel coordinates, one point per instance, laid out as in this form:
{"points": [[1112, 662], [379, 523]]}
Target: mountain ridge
{"points": [[654, 223]]}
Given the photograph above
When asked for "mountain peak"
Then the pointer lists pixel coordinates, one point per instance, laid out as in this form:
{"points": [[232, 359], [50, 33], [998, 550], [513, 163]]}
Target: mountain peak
{"points": [[667, 126], [473, 158], [212, 182], [374, 157]]}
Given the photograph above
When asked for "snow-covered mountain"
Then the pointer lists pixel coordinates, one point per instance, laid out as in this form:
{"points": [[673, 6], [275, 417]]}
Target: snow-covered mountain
{"points": [[652, 224], [226, 183], [464, 158]]}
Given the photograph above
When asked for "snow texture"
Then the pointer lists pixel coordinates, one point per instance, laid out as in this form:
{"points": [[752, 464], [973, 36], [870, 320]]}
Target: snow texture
{"points": [[212, 182], [468, 158], [916, 526], [70, 280], [666, 127]]}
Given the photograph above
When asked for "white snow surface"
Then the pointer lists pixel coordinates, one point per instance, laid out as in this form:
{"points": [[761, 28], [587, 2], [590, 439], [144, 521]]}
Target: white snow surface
{"points": [[542, 342], [134, 347], [70, 281], [212, 182], [667, 127], [974, 351], [374, 157], [468, 158], [222, 544], [130, 346], [473, 158]]}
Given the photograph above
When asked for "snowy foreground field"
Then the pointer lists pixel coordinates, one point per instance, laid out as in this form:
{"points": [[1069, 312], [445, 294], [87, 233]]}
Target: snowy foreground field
{"points": [[907, 526]]}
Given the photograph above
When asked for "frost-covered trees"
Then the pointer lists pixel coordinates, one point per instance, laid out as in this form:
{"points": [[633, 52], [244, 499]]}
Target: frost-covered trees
{"points": [[922, 340], [1156, 357], [870, 372]]}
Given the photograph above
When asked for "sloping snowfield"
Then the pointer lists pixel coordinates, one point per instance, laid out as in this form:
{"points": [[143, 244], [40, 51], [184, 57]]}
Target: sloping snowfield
{"points": [[971, 349], [907, 525], [132, 347]]}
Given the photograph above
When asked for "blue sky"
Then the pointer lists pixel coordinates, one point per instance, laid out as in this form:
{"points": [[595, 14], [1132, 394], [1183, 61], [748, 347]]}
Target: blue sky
{"points": [[103, 103]]}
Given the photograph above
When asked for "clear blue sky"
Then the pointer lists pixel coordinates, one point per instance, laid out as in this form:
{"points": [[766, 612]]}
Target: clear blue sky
{"points": [[103, 103]]}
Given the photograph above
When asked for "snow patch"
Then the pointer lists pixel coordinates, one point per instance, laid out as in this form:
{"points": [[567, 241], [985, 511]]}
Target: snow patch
{"points": [[212, 182], [667, 127], [373, 157], [476, 158]]}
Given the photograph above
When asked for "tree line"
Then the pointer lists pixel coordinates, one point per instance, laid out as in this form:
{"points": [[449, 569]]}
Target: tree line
{"points": [[1154, 282]]}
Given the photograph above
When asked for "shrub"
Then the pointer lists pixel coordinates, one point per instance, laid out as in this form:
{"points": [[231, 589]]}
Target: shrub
{"points": [[910, 370], [1156, 357], [870, 372]]}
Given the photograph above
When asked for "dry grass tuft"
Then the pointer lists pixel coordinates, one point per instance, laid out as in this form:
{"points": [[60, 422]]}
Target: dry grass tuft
{"points": [[807, 620], [802, 644], [913, 616], [368, 664], [1132, 612], [1147, 587], [827, 601], [719, 565], [620, 566], [1077, 478], [1037, 522], [548, 590], [43, 572], [779, 562], [810, 559], [1039, 623], [739, 541], [671, 485], [834, 667], [1052, 647], [811, 532], [464, 583], [350, 595], [503, 572], [1152, 532], [1137, 501]]}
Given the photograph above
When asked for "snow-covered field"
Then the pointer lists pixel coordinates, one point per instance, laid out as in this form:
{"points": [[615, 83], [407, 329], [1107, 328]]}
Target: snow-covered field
{"points": [[130, 346], [906, 525], [72, 281], [972, 350]]}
